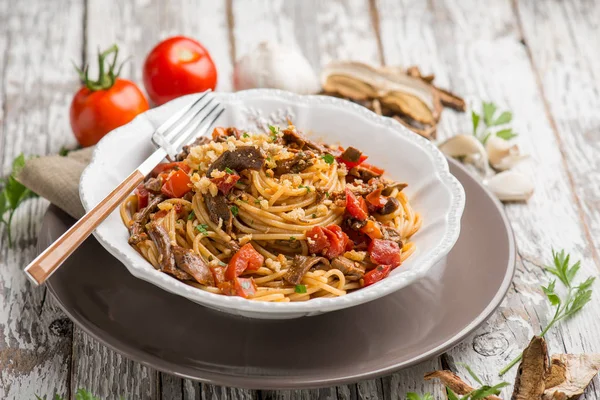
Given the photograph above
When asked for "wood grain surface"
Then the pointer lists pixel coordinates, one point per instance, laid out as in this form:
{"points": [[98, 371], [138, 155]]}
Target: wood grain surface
{"points": [[536, 58]]}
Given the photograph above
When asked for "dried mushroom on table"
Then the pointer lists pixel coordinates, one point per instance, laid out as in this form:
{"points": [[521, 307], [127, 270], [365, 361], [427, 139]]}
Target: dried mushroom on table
{"points": [[405, 95]]}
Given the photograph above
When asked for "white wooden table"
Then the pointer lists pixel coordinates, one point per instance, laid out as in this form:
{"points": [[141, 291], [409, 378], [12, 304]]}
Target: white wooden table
{"points": [[538, 58]]}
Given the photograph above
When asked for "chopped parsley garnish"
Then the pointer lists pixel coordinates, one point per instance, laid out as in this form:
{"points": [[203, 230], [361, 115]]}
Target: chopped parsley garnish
{"points": [[327, 194], [257, 201], [300, 289], [245, 135], [274, 131], [292, 238], [234, 210], [304, 187], [191, 215], [202, 228], [328, 158], [314, 215], [229, 170]]}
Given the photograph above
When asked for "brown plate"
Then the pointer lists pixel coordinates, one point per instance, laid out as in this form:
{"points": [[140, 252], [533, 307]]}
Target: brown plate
{"points": [[175, 335]]}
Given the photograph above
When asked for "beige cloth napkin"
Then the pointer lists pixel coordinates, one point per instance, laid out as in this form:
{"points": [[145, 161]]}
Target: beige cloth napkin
{"points": [[56, 178]]}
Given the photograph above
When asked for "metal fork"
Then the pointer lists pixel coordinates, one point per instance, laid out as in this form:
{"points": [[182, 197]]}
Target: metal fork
{"points": [[191, 121]]}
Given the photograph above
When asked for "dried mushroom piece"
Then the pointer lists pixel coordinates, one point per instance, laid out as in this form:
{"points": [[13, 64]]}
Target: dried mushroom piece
{"points": [[570, 374], [530, 382], [389, 91], [454, 382], [447, 98]]}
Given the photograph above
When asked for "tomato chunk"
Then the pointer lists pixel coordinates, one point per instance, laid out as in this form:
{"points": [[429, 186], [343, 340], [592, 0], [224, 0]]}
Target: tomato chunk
{"points": [[356, 206], [372, 229], [164, 167], [247, 258], [244, 287], [218, 274], [318, 240], [177, 184], [384, 252], [372, 168], [142, 196], [377, 274], [225, 182], [227, 288], [338, 241], [376, 199]]}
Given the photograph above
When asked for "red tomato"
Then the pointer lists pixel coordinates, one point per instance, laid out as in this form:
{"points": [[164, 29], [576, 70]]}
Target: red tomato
{"points": [[163, 167], [352, 164], [218, 274], [384, 252], [244, 287], [356, 206], [177, 184], [178, 66], [226, 182], [339, 242], [103, 105], [142, 196], [372, 229], [159, 214], [318, 240], [247, 258], [372, 168], [227, 288], [376, 199], [377, 274]]}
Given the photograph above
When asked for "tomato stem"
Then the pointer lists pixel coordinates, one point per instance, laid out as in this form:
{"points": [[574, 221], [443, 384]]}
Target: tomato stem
{"points": [[105, 79]]}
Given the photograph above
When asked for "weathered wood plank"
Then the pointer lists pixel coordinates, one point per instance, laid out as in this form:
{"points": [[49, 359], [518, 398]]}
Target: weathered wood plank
{"points": [[323, 31], [561, 38], [136, 26], [474, 48], [37, 39]]}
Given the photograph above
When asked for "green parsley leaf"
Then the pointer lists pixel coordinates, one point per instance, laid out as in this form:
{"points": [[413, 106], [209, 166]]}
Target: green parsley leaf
{"points": [[274, 131], [300, 289], [202, 228], [304, 187], [506, 134], [245, 135], [83, 394], [327, 194], [504, 118], [292, 238], [489, 109], [314, 215], [475, 120], [564, 307], [414, 396], [485, 137], [229, 170], [450, 394], [256, 201], [473, 374], [328, 158], [191, 215], [234, 210], [486, 391]]}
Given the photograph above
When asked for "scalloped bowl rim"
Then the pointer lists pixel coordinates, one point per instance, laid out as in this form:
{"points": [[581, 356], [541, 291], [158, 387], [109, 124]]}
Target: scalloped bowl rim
{"points": [[138, 267]]}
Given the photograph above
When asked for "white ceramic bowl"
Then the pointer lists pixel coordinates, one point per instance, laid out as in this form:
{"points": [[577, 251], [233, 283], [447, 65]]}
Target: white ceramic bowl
{"points": [[406, 156]]}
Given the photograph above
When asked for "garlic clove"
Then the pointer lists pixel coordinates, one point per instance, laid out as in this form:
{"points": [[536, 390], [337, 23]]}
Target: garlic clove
{"points": [[511, 186], [462, 145], [503, 154], [274, 66]]}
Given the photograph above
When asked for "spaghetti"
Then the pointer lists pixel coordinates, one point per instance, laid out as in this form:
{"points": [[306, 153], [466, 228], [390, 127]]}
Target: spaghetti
{"points": [[271, 217]]}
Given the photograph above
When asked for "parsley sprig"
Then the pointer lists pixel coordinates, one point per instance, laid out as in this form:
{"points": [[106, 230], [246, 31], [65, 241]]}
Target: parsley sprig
{"points": [[81, 394], [12, 195], [488, 113], [576, 298]]}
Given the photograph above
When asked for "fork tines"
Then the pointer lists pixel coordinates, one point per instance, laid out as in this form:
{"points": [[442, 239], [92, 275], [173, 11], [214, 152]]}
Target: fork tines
{"points": [[191, 121]]}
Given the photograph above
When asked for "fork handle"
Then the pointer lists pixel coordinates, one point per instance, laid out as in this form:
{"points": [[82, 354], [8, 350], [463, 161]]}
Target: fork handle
{"points": [[46, 263]]}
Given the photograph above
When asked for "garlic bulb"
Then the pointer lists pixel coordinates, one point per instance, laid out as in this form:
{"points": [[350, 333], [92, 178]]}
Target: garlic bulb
{"points": [[511, 186], [278, 67], [503, 154], [469, 149]]}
